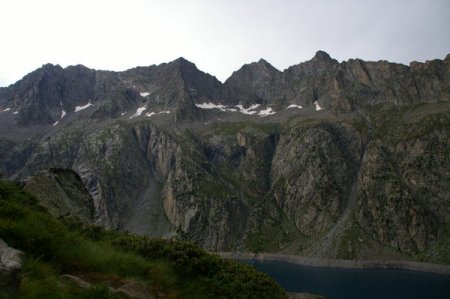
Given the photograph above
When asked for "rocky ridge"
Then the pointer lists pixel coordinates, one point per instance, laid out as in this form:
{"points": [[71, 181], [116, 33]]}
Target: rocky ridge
{"points": [[178, 86]]}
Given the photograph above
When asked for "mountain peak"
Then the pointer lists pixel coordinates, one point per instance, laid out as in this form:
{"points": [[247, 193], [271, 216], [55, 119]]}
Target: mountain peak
{"points": [[50, 65], [183, 65], [77, 67], [264, 63], [322, 56], [260, 67], [182, 61]]}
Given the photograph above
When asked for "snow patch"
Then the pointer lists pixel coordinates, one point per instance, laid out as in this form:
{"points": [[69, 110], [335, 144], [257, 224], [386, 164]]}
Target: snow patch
{"points": [[144, 94], [7, 109], [238, 108], [15, 112], [163, 112], [55, 123], [210, 106], [79, 108], [294, 106], [63, 113], [148, 114], [123, 113], [317, 106], [266, 112], [249, 110], [215, 106], [139, 111]]}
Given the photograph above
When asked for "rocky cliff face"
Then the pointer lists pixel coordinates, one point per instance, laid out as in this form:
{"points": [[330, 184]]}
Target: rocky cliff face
{"points": [[165, 151], [341, 86], [62, 193], [312, 173], [402, 183]]}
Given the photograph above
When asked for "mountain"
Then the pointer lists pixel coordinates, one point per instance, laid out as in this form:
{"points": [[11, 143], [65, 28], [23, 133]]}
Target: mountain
{"points": [[323, 159], [51, 93], [43, 95], [344, 86], [254, 83]]}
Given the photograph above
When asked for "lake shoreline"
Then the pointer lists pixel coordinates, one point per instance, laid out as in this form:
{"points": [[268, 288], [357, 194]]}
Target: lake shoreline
{"points": [[329, 263]]}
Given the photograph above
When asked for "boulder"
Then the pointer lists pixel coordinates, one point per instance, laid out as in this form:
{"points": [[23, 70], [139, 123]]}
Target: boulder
{"points": [[133, 290], [75, 281], [10, 268]]}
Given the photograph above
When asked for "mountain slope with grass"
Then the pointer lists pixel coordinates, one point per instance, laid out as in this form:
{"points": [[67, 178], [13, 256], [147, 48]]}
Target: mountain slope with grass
{"points": [[62, 255]]}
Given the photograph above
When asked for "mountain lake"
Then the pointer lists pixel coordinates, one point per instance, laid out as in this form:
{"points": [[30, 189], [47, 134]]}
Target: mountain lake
{"points": [[335, 283]]}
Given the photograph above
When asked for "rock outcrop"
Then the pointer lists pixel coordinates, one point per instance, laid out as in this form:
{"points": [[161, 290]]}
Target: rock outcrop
{"points": [[10, 269], [133, 290], [63, 193], [312, 173]]}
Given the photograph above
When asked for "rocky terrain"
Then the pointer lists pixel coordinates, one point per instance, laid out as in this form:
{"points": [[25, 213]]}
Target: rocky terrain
{"points": [[324, 159]]}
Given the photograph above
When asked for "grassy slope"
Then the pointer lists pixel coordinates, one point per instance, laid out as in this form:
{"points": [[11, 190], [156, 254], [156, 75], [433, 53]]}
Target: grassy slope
{"points": [[106, 258]]}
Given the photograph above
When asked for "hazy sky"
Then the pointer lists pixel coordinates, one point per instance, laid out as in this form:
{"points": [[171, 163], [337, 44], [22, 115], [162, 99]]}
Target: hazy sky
{"points": [[218, 36]]}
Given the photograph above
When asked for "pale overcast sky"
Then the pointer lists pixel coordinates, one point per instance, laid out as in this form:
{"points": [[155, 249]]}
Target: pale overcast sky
{"points": [[218, 36]]}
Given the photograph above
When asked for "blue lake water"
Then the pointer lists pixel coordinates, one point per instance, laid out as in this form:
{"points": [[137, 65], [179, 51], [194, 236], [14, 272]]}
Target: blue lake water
{"points": [[335, 283]]}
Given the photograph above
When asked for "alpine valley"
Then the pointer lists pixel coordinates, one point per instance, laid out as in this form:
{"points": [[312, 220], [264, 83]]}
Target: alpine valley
{"points": [[326, 159]]}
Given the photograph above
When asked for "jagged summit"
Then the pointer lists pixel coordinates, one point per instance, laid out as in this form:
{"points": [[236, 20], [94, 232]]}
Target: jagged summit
{"points": [[322, 56], [266, 64], [178, 86], [49, 66], [261, 64], [182, 62]]}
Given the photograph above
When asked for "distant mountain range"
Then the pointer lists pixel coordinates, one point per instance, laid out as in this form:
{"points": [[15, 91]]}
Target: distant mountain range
{"points": [[178, 86], [325, 159]]}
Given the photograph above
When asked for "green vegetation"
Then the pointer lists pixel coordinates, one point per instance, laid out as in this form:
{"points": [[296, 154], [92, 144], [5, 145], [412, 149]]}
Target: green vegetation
{"points": [[350, 242], [232, 128], [109, 259], [273, 237], [300, 122], [395, 124], [440, 250], [210, 190]]}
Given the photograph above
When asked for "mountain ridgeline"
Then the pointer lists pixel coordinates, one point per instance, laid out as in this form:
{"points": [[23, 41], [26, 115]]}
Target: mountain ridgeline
{"points": [[324, 159]]}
